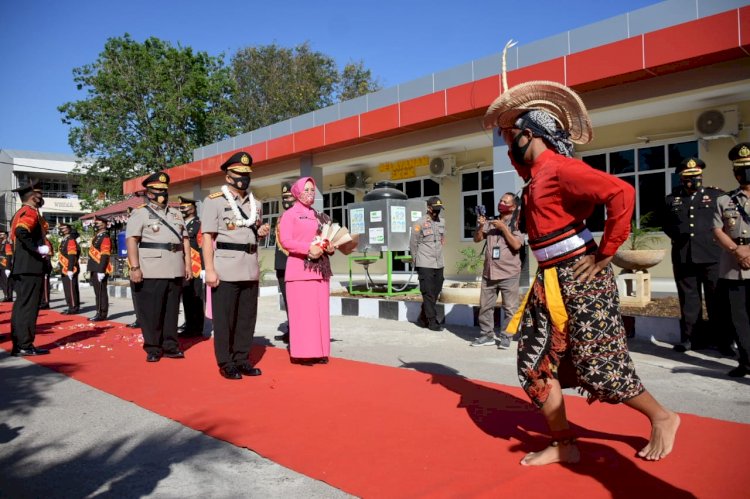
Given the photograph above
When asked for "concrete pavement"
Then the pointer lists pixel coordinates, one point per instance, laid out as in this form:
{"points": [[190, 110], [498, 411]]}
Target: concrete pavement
{"points": [[62, 438]]}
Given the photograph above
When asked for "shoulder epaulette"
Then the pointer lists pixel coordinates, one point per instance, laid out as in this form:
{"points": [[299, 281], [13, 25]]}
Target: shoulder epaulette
{"points": [[215, 195]]}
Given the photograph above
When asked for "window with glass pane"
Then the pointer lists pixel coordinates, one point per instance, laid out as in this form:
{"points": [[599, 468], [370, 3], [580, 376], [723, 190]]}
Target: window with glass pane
{"points": [[681, 151], [651, 193], [477, 188], [413, 189], [336, 207], [622, 162], [598, 161], [431, 188], [271, 217], [651, 158]]}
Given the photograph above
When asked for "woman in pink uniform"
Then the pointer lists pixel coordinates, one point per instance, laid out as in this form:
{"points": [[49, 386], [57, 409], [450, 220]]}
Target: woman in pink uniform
{"points": [[308, 272]]}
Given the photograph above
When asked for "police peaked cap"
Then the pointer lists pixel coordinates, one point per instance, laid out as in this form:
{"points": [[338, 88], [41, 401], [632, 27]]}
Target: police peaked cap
{"points": [[739, 155], [184, 200], [31, 185], [691, 167], [158, 180], [434, 201], [238, 162]]}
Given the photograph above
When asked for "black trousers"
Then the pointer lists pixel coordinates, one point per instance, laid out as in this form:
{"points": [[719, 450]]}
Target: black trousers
{"points": [[135, 302], [738, 294], [235, 309], [694, 282], [29, 289], [100, 292], [192, 305], [281, 277], [157, 310], [70, 288], [430, 285], [6, 284]]}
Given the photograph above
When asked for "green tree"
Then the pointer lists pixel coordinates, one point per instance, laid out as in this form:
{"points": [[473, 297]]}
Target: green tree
{"points": [[276, 83], [147, 106]]}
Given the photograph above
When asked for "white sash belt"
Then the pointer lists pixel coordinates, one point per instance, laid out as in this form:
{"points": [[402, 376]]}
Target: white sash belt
{"points": [[565, 246]]}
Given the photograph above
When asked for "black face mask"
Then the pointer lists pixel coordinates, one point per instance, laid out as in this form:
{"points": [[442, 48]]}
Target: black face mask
{"points": [[287, 203], [742, 175], [517, 152], [240, 183], [692, 183], [101, 227], [159, 197]]}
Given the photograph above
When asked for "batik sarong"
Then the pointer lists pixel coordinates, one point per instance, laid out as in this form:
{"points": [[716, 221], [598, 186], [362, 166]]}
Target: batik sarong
{"points": [[573, 332]]}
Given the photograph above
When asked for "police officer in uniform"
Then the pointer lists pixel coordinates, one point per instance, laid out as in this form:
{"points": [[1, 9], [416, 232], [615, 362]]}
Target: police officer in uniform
{"points": [[689, 214], [28, 234], [426, 247], [232, 218], [5, 264], [192, 291], [134, 324], [47, 286], [280, 256], [732, 231], [159, 258], [68, 257], [100, 267]]}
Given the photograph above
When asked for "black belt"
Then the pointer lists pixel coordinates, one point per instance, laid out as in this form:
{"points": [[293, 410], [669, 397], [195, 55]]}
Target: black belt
{"points": [[741, 240], [173, 247], [247, 248]]}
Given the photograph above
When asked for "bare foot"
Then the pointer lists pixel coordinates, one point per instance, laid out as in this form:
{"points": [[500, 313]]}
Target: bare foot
{"points": [[663, 432], [561, 453]]}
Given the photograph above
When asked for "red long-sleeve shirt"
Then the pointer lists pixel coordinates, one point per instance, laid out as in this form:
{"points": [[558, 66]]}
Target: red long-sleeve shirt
{"points": [[564, 191]]}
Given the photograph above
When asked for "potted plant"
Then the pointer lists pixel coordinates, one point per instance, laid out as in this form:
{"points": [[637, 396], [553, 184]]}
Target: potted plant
{"points": [[638, 255], [471, 261]]}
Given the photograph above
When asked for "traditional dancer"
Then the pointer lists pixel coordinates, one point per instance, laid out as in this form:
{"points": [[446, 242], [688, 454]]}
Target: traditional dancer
{"points": [[571, 316]]}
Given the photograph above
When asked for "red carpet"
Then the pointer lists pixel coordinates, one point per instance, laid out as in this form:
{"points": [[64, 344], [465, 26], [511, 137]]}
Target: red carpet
{"points": [[378, 431]]}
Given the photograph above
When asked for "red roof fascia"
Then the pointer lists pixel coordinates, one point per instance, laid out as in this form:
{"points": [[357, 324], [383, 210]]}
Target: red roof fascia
{"points": [[704, 41]]}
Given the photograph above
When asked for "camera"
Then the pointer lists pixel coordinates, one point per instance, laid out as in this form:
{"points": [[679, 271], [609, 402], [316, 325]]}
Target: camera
{"points": [[481, 211]]}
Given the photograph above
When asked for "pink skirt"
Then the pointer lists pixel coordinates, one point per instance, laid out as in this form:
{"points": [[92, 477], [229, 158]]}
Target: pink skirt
{"points": [[309, 318]]}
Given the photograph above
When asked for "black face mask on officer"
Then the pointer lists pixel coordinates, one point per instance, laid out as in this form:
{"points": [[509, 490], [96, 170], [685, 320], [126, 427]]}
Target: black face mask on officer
{"points": [[742, 175], [287, 202], [241, 182], [187, 212], [100, 226], [435, 211], [692, 183], [160, 197]]}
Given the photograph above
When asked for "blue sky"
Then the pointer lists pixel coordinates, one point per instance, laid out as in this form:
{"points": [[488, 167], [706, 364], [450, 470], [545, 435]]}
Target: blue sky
{"points": [[41, 41]]}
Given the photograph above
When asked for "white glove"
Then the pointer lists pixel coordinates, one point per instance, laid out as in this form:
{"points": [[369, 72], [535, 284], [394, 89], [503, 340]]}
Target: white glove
{"points": [[100, 276], [43, 250], [70, 274], [203, 275], [7, 273]]}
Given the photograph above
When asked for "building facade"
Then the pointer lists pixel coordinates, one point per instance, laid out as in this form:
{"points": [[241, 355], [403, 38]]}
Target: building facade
{"points": [[662, 83], [53, 171]]}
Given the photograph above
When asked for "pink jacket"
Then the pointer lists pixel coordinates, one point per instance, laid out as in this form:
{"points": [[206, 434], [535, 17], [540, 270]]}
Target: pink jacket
{"points": [[297, 229]]}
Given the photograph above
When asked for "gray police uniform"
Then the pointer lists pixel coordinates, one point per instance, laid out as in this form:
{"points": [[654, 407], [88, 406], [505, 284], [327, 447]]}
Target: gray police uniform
{"points": [[730, 219], [162, 260], [235, 299], [426, 246]]}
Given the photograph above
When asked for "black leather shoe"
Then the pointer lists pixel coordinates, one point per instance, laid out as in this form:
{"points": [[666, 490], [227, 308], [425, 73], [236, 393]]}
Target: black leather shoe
{"points": [[94, 318], [230, 372], [435, 327], [738, 372], [727, 351], [177, 354], [134, 325], [249, 370], [101, 318], [29, 352], [322, 360], [282, 337], [44, 306], [153, 357]]}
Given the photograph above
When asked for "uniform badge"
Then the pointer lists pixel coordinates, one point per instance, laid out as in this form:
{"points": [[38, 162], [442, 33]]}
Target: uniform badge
{"points": [[731, 222], [229, 223], [156, 227]]}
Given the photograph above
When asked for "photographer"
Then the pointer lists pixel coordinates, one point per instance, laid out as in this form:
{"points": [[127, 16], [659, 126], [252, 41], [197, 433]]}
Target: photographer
{"points": [[502, 269]]}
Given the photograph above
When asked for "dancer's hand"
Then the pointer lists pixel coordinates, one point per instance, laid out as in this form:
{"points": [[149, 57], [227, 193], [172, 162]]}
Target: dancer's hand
{"points": [[588, 266]]}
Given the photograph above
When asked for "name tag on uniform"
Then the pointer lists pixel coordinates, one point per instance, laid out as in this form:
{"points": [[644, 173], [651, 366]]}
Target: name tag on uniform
{"points": [[228, 208]]}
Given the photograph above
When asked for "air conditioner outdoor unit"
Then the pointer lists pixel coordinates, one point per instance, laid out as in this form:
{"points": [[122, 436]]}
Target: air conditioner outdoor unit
{"points": [[442, 166], [355, 180], [717, 123]]}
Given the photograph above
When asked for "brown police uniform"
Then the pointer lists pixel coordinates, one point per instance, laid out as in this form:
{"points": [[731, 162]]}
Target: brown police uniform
{"points": [[68, 254], [235, 299], [732, 216], [426, 247], [6, 262], [161, 233], [100, 253]]}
